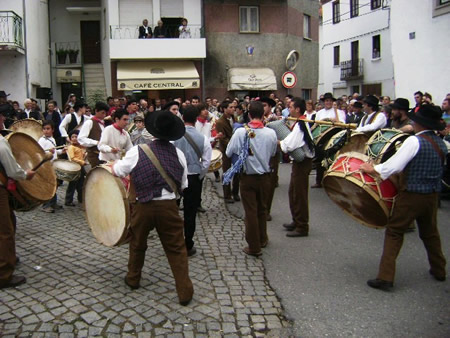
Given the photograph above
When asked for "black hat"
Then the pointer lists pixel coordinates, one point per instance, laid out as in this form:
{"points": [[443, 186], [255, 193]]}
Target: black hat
{"points": [[428, 116], [3, 94], [372, 101], [357, 104], [79, 104], [164, 125], [6, 109], [327, 96], [400, 103], [170, 104], [269, 101]]}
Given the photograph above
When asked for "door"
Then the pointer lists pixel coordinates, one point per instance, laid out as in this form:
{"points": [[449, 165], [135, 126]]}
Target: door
{"points": [[70, 88], [355, 57], [372, 89], [90, 41]]}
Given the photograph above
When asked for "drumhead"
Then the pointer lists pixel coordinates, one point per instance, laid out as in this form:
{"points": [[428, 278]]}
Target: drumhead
{"points": [[216, 155], [28, 154], [107, 207], [66, 165], [30, 127], [384, 143]]}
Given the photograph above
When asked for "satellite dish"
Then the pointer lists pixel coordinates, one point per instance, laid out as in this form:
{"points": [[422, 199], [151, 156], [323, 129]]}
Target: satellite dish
{"points": [[292, 59]]}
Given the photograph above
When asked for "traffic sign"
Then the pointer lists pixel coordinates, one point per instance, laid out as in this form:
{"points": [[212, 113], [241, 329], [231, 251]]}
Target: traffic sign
{"points": [[289, 80]]}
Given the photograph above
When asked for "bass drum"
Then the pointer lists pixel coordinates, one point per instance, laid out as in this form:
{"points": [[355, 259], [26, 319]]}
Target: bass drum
{"points": [[341, 143], [30, 127], [321, 134], [362, 196], [107, 206], [42, 187], [67, 170], [216, 161], [383, 144]]}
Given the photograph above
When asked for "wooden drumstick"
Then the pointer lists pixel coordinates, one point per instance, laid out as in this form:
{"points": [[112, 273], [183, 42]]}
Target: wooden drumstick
{"points": [[47, 157], [330, 123]]}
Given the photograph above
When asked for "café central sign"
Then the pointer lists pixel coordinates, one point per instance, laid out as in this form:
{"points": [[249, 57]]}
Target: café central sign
{"points": [[164, 84]]}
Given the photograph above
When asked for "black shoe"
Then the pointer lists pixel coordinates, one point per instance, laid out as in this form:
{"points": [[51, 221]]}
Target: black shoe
{"points": [[229, 200], [15, 281], [133, 287], [192, 251], [70, 204], [295, 233], [185, 302], [58, 207], [201, 209], [289, 226], [268, 218], [439, 278], [17, 260], [380, 284], [236, 198]]}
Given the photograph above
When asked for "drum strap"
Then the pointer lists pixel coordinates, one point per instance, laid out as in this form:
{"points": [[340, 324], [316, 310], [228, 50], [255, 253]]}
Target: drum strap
{"points": [[435, 146], [193, 145], [152, 157], [10, 186]]}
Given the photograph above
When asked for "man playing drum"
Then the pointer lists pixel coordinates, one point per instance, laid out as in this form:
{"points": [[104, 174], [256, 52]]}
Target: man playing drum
{"points": [[9, 168], [115, 140], [421, 158], [155, 205], [374, 119]]}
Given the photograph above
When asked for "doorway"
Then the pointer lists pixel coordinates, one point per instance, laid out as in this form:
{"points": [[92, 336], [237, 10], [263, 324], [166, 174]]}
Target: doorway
{"points": [[70, 88], [355, 57], [90, 41]]}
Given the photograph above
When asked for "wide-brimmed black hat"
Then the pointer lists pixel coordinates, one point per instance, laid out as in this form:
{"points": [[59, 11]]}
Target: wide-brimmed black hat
{"points": [[327, 96], [269, 101], [428, 116], [170, 104], [357, 105], [6, 109], [372, 100], [3, 94], [400, 103], [164, 125], [79, 104]]}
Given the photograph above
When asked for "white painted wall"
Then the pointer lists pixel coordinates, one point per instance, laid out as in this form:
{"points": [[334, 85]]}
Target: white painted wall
{"points": [[104, 26], [421, 63], [361, 28]]}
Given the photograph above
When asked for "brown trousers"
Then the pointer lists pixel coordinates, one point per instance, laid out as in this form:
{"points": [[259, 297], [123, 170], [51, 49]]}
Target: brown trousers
{"points": [[92, 157], [162, 215], [7, 239], [298, 194], [274, 165], [228, 190], [409, 207], [254, 191]]}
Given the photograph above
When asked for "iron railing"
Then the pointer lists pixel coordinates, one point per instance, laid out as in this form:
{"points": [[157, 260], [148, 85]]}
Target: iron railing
{"points": [[171, 31], [11, 31], [352, 69]]}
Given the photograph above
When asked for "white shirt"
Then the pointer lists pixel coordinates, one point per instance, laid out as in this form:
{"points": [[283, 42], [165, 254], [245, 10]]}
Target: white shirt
{"points": [[124, 167], [83, 138], [295, 140], [330, 114], [48, 143], [401, 158], [113, 138], [205, 129], [378, 123], [65, 123], [27, 111]]}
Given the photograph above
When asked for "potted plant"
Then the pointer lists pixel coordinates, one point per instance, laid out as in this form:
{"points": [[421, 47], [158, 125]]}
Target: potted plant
{"points": [[73, 55], [61, 55]]}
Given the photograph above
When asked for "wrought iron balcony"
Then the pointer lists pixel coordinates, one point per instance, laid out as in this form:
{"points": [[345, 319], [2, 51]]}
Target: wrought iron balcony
{"points": [[352, 70], [11, 31]]}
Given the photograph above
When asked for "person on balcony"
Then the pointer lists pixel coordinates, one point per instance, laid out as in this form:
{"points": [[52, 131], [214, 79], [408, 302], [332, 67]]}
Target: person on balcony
{"points": [[145, 32], [160, 32], [184, 30]]}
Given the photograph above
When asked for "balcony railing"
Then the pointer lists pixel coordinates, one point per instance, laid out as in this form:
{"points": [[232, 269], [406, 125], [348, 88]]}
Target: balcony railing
{"points": [[68, 53], [352, 70], [172, 32], [11, 31]]}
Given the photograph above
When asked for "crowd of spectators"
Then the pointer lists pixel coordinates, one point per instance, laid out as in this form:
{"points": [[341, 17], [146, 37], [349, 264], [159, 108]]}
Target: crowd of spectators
{"points": [[161, 31]]}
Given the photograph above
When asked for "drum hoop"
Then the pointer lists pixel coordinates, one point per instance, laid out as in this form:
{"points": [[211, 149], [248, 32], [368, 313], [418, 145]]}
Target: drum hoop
{"points": [[379, 137], [326, 132], [123, 192], [63, 169]]}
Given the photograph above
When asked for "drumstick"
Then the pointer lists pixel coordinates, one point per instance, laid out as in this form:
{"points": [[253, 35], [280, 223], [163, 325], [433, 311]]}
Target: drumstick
{"points": [[58, 147], [330, 123], [47, 157]]}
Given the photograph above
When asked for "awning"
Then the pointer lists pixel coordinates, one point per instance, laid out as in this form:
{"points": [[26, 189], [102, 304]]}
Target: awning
{"points": [[157, 75], [251, 79], [68, 75]]}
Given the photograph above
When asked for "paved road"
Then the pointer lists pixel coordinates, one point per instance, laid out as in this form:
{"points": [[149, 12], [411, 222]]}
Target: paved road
{"points": [[321, 279]]}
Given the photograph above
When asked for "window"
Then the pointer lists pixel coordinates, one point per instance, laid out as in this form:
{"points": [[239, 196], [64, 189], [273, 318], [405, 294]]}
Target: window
{"points": [[249, 19], [441, 7], [376, 47], [443, 2], [336, 55], [354, 8], [306, 26], [374, 4], [336, 12], [306, 94]]}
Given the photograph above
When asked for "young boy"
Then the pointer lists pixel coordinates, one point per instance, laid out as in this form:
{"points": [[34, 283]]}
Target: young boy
{"points": [[48, 143], [76, 153]]}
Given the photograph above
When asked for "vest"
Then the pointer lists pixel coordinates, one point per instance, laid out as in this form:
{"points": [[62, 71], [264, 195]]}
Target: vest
{"points": [[73, 122], [192, 159], [424, 171], [94, 134], [146, 178], [372, 118]]}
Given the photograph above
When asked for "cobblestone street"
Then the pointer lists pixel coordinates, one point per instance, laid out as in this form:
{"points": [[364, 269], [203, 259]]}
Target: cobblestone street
{"points": [[75, 286]]}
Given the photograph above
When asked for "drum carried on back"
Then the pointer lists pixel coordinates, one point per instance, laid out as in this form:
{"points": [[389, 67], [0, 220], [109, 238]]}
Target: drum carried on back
{"points": [[282, 130], [109, 222], [34, 192], [30, 127]]}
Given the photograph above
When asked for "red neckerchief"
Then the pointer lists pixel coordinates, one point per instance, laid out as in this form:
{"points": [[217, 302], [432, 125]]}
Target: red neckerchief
{"points": [[98, 120], [202, 120], [118, 128], [256, 124]]}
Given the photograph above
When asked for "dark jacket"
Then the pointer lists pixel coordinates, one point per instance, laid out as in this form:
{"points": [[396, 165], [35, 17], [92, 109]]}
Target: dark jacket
{"points": [[142, 34]]}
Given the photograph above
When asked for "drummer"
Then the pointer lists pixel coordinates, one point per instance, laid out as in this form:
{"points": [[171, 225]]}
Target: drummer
{"points": [[9, 168], [156, 205], [115, 140], [421, 158], [72, 121], [373, 119], [400, 119]]}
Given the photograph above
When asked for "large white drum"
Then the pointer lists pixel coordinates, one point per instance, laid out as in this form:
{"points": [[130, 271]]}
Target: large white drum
{"points": [[216, 161], [67, 170]]}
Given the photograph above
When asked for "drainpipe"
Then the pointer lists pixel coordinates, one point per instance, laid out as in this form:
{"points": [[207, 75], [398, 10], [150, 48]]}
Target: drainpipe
{"points": [[27, 79], [203, 60], [50, 46]]}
